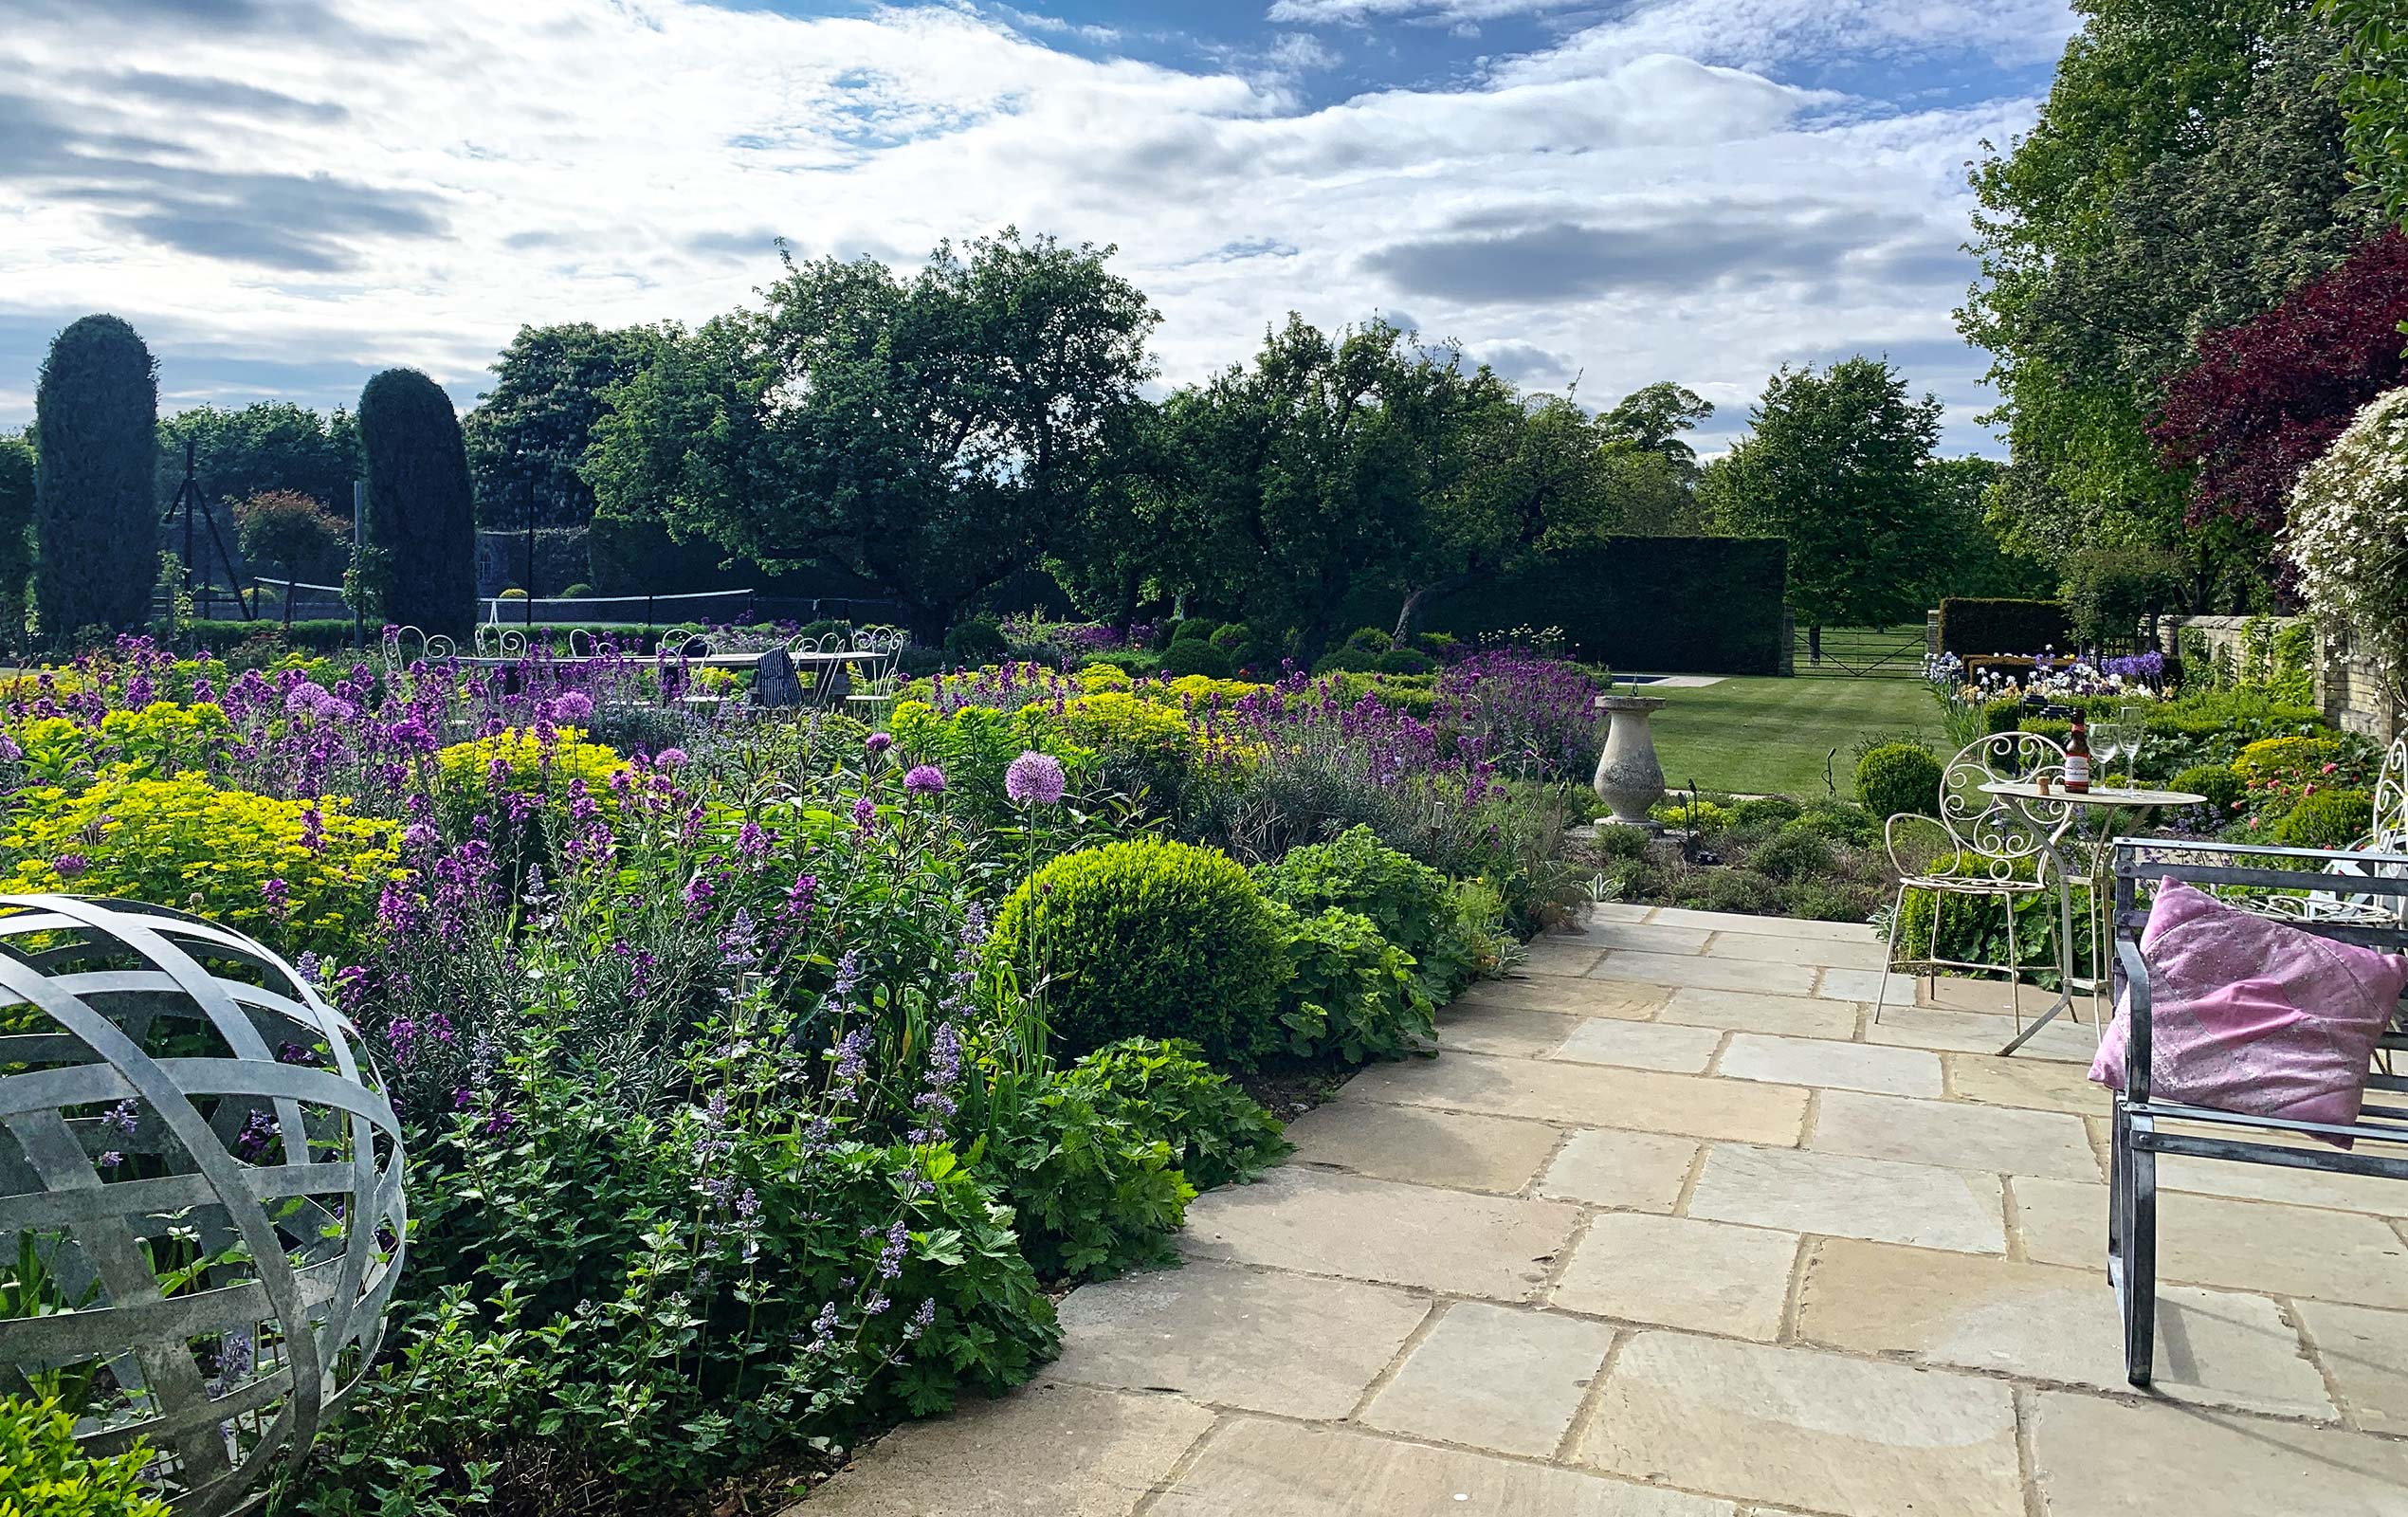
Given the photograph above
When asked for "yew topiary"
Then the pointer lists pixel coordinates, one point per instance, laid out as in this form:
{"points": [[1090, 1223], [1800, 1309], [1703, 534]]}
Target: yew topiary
{"points": [[96, 414], [421, 515]]}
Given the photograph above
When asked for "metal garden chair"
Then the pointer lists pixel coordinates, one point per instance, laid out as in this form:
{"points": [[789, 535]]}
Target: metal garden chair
{"points": [[873, 689], [2387, 836], [1980, 849]]}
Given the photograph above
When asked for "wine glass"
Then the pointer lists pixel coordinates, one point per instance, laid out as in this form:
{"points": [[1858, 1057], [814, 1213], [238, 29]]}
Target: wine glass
{"points": [[2135, 722], [2106, 741]]}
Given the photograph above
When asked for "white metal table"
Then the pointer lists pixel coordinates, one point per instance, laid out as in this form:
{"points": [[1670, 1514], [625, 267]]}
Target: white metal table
{"points": [[2053, 813]]}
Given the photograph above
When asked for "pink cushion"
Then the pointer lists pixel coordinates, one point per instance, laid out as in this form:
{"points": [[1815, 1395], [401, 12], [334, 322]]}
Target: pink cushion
{"points": [[2254, 1017]]}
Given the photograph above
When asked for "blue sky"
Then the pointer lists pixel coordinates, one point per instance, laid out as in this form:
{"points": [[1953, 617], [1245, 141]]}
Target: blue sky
{"points": [[286, 195]]}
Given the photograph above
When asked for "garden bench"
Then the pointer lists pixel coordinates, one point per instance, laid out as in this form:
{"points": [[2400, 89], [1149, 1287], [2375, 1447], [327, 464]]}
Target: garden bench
{"points": [[2378, 1136]]}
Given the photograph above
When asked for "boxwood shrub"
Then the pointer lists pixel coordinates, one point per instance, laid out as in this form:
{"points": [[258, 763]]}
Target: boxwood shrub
{"points": [[1899, 776]]}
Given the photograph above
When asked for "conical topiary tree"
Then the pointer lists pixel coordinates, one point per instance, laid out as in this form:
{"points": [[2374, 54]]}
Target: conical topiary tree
{"points": [[16, 537], [421, 516], [96, 418]]}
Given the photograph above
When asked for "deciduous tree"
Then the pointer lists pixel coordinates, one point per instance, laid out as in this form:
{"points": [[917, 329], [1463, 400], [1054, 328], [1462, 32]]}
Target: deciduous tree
{"points": [[295, 534], [530, 432]]}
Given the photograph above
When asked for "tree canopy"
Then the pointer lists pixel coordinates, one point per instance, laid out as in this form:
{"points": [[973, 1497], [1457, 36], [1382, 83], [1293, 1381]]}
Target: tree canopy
{"points": [[531, 430], [1836, 463], [293, 534], [272, 444], [931, 434], [2375, 93]]}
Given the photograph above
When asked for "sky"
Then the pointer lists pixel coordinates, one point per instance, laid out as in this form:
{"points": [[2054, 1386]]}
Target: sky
{"points": [[285, 196]]}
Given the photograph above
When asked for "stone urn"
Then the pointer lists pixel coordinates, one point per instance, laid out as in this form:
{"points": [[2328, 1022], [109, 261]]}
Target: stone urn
{"points": [[1629, 780]]}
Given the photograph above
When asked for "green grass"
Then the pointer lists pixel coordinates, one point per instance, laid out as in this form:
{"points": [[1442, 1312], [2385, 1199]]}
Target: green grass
{"points": [[1764, 735]]}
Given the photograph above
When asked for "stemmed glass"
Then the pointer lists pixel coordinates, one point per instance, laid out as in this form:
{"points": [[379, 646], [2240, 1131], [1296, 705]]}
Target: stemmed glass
{"points": [[2106, 741], [2134, 720]]}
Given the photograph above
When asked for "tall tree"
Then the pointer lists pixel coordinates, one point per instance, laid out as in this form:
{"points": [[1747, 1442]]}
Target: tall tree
{"points": [[931, 434], [271, 444], [2185, 172], [16, 537], [96, 408], [1655, 417], [2268, 397], [420, 517], [528, 434], [2375, 93], [1838, 464]]}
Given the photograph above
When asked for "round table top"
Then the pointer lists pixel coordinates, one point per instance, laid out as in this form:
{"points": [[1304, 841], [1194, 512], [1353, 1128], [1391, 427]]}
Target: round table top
{"points": [[2095, 796]]}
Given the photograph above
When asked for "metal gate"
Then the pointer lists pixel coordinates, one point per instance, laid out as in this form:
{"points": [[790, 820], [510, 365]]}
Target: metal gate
{"points": [[1859, 652]]}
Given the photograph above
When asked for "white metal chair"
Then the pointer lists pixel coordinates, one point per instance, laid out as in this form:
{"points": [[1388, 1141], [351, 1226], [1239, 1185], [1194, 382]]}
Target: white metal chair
{"points": [[2387, 835], [1982, 848], [873, 688]]}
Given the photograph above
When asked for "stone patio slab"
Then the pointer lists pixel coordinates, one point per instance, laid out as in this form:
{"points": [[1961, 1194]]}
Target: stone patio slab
{"points": [[1648, 938], [1767, 927], [1559, 955], [1798, 1428], [1845, 1196], [2283, 1251], [1955, 1134], [1257, 1468], [2037, 1085], [1264, 1340], [2366, 1353], [2371, 1193], [1963, 1032], [1508, 1032], [1817, 952], [1591, 1096], [1831, 1065], [1864, 985], [1424, 1147], [1606, 911], [1625, 999], [1674, 1272], [1706, 974], [2090, 1456], [2042, 1323], [1327, 1223], [1046, 1451], [1495, 1378], [1668, 1046], [1632, 1171], [1754, 1011]]}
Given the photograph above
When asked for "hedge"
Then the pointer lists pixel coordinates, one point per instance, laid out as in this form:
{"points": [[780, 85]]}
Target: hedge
{"points": [[1666, 605], [1971, 626], [96, 413], [420, 516]]}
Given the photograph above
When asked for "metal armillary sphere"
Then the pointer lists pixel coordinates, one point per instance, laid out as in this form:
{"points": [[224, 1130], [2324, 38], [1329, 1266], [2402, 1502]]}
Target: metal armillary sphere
{"points": [[201, 1215]]}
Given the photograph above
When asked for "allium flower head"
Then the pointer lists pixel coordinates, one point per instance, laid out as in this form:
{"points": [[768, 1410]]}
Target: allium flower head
{"points": [[925, 780], [879, 743], [1035, 779]]}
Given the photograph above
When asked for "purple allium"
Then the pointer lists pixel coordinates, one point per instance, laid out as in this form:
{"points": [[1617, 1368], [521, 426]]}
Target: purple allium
{"points": [[70, 865], [1035, 779], [569, 708], [925, 780], [879, 743], [669, 758]]}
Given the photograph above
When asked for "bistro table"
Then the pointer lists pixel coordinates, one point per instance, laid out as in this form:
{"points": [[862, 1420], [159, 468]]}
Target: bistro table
{"points": [[2053, 813]]}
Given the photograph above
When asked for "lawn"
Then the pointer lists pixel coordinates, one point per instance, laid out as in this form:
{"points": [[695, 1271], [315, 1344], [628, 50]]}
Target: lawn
{"points": [[1771, 735]]}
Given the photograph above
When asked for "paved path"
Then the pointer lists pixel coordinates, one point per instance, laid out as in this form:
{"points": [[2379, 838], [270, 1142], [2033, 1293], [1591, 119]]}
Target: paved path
{"points": [[1670, 1229]]}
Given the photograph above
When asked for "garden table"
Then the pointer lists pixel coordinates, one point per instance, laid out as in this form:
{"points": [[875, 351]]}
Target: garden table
{"points": [[2053, 813]]}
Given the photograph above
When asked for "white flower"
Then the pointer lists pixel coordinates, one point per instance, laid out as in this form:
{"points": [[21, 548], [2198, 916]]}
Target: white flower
{"points": [[2349, 534]]}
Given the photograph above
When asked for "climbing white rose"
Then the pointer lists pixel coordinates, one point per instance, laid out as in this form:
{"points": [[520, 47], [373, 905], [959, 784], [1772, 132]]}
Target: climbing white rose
{"points": [[2348, 535]]}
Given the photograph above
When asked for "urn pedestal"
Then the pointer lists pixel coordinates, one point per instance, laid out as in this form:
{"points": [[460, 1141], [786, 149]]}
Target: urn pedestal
{"points": [[1628, 778]]}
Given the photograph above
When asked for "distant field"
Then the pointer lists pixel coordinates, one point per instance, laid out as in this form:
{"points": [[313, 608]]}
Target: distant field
{"points": [[1769, 736]]}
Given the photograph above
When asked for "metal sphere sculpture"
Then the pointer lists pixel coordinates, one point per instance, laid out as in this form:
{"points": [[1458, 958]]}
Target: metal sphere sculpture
{"points": [[201, 1215]]}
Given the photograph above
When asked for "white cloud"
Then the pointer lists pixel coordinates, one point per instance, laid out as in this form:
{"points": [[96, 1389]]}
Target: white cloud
{"points": [[408, 184], [1763, 33], [1322, 12]]}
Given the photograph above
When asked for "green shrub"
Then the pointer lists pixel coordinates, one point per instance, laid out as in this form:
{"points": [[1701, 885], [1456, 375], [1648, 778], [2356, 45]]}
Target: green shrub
{"points": [[1405, 661], [1369, 640], [975, 642], [1092, 1194], [1218, 1135], [1831, 901], [1350, 990], [16, 536], [1409, 902], [421, 515], [1765, 809], [44, 1474], [2328, 818], [1147, 937], [96, 413], [1973, 929], [2287, 758], [1194, 629], [1842, 822], [1899, 776], [1245, 647], [514, 593], [1619, 840], [577, 591], [1793, 854], [2108, 589], [2220, 783], [1136, 663], [1971, 626], [1698, 817], [1195, 655], [1738, 890]]}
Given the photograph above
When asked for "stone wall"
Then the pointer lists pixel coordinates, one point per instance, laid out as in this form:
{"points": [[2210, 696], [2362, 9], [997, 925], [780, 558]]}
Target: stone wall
{"points": [[2347, 686]]}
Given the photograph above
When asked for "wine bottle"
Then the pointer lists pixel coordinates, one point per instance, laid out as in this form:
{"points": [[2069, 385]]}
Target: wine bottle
{"points": [[2077, 756]]}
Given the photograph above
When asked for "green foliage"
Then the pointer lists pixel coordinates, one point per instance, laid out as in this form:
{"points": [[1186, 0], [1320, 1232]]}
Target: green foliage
{"points": [[2328, 818], [976, 643], [1793, 854], [292, 534], [1973, 929], [1407, 901], [2220, 783], [1835, 467], [1698, 817], [527, 437], [2374, 92], [1844, 823], [1765, 810], [1971, 627], [1616, 841], [420, 513], [243, 861], [44, 1474], [16, 536], [96, 412], [1218, 1135], [1093, 1196], [2109, 590], [1196, 656], [1350, 992], [1193, 628], [1899, 776], [1146, 938]]}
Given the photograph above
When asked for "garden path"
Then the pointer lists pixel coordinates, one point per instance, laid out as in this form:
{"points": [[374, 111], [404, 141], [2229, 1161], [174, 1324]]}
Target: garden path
{"points": [[1673, 1230]]}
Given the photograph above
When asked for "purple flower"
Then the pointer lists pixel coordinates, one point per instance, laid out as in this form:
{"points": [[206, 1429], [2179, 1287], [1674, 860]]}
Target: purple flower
{"points": [[669, 758], [569, 708], [879, 743], [70, 865], [865, 813], [1035, 779], [310, 699], [278, 896], [925, 780]]}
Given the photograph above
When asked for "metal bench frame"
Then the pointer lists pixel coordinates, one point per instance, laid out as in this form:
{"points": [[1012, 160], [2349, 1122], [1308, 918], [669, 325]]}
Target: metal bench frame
{"points": [[2226, 870]]}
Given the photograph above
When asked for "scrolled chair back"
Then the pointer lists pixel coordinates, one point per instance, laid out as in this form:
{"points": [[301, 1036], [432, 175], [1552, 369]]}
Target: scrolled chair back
{"points": [[2003, 833], [583, 644], [2390, 832]]}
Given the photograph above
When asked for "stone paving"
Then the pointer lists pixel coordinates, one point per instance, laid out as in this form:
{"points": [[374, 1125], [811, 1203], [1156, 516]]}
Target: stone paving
{"points": [[1673, 1230]]}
